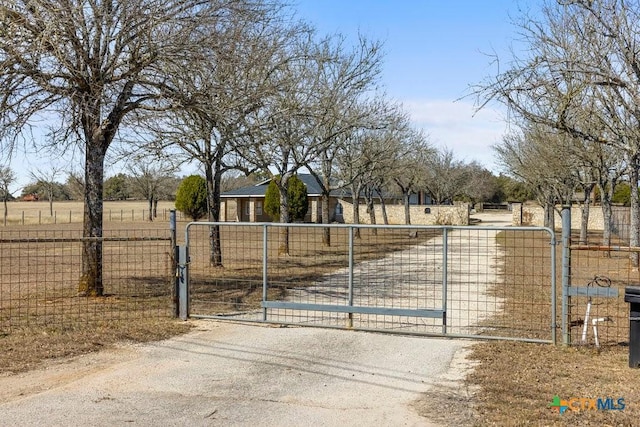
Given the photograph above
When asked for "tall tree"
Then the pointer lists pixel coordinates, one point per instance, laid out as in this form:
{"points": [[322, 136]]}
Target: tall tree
{"points": [[149, 179], [281, 129], [94, 63], [580, 50], [446, 177], [217, 100], [347, 75], [46, 178], [410, 173], [7, 177]]}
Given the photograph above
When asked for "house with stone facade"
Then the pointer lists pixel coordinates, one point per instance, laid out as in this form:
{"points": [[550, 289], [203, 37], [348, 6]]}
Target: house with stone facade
{"points": [[246, 204]]}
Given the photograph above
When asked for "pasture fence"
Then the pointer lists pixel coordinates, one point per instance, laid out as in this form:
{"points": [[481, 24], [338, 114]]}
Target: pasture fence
{"points": [[40, 268], [63, 216], [595, 275], [488, 282]]}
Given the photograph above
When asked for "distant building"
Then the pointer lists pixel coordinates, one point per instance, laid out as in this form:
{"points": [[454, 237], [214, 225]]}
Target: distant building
{"points": [[246, 204]]}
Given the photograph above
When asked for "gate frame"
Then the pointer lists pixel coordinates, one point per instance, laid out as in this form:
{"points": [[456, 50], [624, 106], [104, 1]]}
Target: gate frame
{"points": [[182, 278]]}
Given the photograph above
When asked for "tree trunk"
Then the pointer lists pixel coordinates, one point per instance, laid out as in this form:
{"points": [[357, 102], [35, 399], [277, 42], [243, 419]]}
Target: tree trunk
{"points": [[355, 192], [150, 217], [371, 209], [326, 231], [549, 215], [383, 208], [6, 211], [607, 196], [283, 186], [634, 238], [213, 175], [155, 207], [584, 222], [407, 210], [90, 283], [283, 243], [50, 203]]}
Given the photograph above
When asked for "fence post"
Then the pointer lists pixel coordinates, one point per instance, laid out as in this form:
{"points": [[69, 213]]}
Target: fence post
{"points": [[351, 267], [265, 269], [445, 274], [174, 261], [182, 281], [566, 274]]}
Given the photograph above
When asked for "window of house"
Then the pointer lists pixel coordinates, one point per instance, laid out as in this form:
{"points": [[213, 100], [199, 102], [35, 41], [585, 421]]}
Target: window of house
{"points": [[258, 207], [247, 208]]}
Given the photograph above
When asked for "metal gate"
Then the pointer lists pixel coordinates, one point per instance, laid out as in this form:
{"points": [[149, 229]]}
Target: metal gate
{"points": [[473, 281]]}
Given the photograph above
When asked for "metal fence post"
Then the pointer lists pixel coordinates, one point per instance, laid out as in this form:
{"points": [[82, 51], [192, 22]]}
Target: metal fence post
{"points": [[445, 273], [351, 267], [182, 281], [174, 259], [566, 274], [265, 282]]}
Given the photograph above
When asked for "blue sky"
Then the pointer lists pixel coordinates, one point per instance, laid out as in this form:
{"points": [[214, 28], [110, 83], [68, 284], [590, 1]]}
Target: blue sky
{"points": [[434, 50]]}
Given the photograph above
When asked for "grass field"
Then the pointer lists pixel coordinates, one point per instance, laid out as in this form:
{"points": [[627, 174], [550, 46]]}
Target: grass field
{"points": [[40, 212]]}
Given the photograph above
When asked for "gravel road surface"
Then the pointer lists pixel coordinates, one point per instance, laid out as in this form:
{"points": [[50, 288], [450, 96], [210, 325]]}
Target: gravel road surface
{"points": [[229, 374]]}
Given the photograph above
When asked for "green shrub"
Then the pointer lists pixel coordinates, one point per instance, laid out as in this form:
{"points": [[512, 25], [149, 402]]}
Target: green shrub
{"points": [[191, 197], [272, 200], [298, 200]]}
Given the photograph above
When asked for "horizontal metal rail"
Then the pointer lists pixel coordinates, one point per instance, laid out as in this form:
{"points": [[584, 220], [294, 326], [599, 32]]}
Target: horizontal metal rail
{"points": [[84, 239], [432, 313], [604, 248]]}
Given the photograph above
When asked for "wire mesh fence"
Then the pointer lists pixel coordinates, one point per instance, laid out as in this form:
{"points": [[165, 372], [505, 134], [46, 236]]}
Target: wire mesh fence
{"points": [[487, 281], [68, 216], [599, 315], [40, 269]]}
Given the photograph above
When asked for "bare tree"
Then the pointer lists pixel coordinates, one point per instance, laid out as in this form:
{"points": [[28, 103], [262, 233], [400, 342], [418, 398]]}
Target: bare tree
{"points": [[47, 179], [410, 173], [150, 179], [480, 185], [446, 177], [581, 76], [93, 63], [7, 177], [542, 158], [233, 82], [281, 131], [346, 75]]}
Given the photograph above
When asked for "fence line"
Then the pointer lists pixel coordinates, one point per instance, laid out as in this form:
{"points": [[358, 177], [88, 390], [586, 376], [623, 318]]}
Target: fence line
{"points": [[40, 217], [595, 310], [41, 268]]}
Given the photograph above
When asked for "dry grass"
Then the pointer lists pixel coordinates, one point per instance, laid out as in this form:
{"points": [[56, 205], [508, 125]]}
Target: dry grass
{"points": [[65, 212], [517, 381], [41, 316]]}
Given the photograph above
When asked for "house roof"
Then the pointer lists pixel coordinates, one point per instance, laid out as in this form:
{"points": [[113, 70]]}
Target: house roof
{"points": [[314, 189]]}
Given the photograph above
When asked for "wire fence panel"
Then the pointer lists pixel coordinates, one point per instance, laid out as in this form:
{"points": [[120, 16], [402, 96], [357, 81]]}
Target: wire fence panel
{"points": [[598, 314], [40, 268], [464, 281]]}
